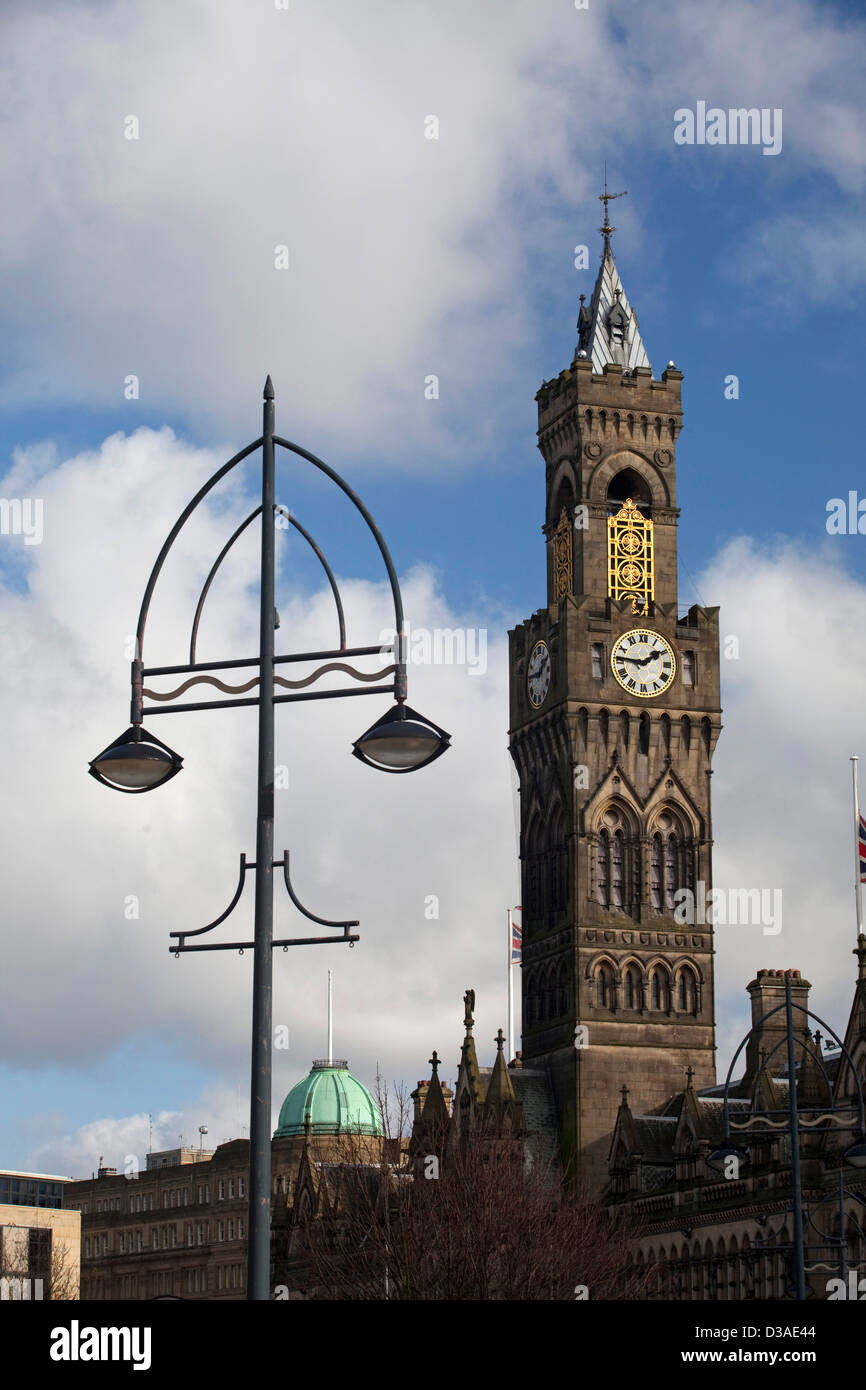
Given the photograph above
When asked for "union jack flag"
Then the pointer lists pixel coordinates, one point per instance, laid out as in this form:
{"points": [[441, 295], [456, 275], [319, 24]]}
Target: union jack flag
{"points": [[517, 938], [862, 844]]}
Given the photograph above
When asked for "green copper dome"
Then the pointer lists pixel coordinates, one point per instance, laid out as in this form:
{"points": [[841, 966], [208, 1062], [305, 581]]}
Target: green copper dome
{"points": [[335, 1101]]}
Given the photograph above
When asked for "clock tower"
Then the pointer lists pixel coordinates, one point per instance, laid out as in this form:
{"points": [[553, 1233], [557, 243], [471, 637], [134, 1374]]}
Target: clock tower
{"points": [[614, 716]]}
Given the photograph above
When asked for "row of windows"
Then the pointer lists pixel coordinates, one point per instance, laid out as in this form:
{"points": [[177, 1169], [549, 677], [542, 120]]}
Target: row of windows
{"points": [[667, 870], [546, 995], [609, 725], [660, 992], [30, 1192], [231, 1276], [161, 1237], [227, 1189]]}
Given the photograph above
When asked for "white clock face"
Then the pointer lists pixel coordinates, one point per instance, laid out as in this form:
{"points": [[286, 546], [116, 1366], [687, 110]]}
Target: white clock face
{"points": [[538, 675], [643, 662]]}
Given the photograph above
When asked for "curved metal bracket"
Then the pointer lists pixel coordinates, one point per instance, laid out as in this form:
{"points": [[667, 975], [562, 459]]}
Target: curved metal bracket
{"points": [[172, 537], [241, 946], [284, 511], [322, 921], [377, 534], [858, 1098]]}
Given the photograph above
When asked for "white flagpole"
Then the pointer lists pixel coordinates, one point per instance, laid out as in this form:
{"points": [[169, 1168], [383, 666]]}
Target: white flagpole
{"points": [[858, 896], [511, 1048], [330, 1021]]}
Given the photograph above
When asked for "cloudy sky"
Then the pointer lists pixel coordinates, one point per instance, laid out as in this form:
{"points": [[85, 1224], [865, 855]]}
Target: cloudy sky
{"points": [[280, 209]]}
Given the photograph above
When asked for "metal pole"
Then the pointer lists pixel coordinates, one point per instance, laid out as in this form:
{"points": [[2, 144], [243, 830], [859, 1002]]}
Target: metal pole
{"points": [[330, 1020], [259, 1250], [799, 1258], [858, 894], [511, 1046], [843, 1233]]}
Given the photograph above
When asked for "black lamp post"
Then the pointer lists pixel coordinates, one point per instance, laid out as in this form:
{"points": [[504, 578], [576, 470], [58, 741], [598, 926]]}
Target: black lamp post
{"points": [[401, 741], [809, 1118]]}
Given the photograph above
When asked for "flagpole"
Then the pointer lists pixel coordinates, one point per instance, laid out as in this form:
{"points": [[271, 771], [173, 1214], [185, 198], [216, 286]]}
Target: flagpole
{"points": [[858, 896], [511, 1047], [330, 1021]]}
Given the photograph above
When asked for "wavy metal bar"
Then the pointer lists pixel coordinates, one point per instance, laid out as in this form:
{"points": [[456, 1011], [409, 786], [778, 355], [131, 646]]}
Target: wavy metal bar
{"points": [[334, 666], [202, 680], [322, 921], [232, 905]]}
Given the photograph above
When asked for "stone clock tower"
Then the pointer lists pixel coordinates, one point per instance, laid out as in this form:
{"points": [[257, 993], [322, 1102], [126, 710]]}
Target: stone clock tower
{"points": [[614, 716]]}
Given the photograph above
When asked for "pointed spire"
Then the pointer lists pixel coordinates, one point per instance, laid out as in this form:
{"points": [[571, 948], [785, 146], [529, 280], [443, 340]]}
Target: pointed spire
{"points": [[608, 331], [268, 393], [469, 1057]]}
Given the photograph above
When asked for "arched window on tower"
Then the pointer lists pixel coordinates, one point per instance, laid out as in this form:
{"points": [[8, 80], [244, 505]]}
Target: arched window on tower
{"points": [[629, 484], [656, 873], [660, 989], [687, 991], [617, 870], [617, 873], [644, 735], [666, 863], [604, 987], [632, 988], [603, 869], [670, 871]]}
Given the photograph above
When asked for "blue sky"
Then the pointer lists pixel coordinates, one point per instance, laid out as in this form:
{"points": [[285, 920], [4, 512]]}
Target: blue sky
{"points": [[407, 256]]}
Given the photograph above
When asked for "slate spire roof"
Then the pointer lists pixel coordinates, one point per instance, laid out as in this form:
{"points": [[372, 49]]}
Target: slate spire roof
{"points": [[608, 330]]}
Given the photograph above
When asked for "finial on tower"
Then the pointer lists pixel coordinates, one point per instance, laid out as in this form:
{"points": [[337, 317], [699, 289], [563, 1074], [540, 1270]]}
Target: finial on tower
{"points": [[499, 1040], [606, 198], [268, 394], [434, 1062]]}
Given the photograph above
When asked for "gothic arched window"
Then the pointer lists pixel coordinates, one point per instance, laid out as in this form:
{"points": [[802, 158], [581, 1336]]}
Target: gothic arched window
{"points": [[604, 987], [656, 873], [660, 989], [617, 874], [617, 870], [632, 988], [643, 735], [687, 991], [671, 884], [603, 869]]}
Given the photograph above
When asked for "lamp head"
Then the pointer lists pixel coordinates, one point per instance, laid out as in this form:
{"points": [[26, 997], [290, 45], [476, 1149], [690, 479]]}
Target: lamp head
{"points": [[135, 762], [401, 741]]}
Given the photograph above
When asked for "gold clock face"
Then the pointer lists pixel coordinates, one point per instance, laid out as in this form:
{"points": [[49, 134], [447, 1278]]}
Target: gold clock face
{"points": [[538, 675], [643, 662]]}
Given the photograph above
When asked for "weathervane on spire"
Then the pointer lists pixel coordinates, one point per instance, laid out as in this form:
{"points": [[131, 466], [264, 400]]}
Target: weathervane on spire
{"points": [[606, 198]]}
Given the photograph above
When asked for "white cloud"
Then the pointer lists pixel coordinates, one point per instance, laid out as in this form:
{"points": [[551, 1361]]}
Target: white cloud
{"points": [[793, 716], [408, 256]]}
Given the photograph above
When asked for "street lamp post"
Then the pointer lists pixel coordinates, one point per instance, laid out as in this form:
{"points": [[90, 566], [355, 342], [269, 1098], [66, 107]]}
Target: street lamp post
{"points": [[401, 741], [809, 1117]]}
